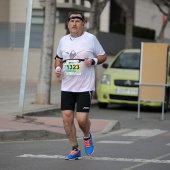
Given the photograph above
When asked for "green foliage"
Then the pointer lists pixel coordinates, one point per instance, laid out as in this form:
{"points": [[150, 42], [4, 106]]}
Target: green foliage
{"points": [[139, 32]]}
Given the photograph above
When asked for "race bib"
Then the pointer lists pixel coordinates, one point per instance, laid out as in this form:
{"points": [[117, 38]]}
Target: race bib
{"points": [[72, 67]]}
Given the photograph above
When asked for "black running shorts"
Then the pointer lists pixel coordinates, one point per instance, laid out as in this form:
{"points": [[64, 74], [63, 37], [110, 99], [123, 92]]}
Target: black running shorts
{"points": [[80, 100]]}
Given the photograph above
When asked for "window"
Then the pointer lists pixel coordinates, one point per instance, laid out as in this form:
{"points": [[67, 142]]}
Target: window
{"points": [[38, 16]]}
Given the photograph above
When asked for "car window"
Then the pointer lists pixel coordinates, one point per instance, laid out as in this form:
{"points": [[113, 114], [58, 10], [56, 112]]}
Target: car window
{"points": [[127, 61]]}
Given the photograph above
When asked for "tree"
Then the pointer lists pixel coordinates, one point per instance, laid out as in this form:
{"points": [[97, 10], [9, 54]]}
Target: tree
{"points": [[164, 7], [97, 7], [129, 22], [44, 81]]}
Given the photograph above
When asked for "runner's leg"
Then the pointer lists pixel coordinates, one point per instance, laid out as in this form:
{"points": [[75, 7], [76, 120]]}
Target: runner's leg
{"points": [[84, 122], [83, 108], [68, 100], [69, 126]]}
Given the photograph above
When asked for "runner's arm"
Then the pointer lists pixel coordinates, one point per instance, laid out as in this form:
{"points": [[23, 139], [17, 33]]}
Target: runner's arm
{"points": [[101, 58], [58, 62]]}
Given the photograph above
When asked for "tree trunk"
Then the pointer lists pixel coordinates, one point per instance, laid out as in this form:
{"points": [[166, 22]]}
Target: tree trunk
{"points": [[96, 8], [44, 81], [129, 32], [93, 18]]}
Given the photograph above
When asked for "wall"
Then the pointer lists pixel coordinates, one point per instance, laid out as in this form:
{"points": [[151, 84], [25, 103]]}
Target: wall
{"points": [[4, 11], [117, 42], [17, 10], [104, 21], [11, 64], [148, 15], [11, 60]]}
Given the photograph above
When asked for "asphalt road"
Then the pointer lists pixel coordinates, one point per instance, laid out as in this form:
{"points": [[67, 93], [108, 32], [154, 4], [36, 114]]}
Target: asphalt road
{"points": [[140, 144]]}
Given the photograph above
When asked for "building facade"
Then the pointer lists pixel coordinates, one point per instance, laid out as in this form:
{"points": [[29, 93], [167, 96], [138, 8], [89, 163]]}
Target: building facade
{"points": [[12, 29]]}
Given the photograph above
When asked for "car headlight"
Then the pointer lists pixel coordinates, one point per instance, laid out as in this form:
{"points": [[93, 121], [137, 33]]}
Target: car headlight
{"points": [[105, 79]]}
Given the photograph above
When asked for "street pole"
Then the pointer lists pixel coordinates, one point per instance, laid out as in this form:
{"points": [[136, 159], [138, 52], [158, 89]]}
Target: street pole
{"points": [[25, 58]]}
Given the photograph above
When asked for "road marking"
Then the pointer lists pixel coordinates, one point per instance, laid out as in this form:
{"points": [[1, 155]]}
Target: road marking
{"points": [[42, 156], [145, 133], [168, 144], [102, 158], [116, 142], [144, 163]]}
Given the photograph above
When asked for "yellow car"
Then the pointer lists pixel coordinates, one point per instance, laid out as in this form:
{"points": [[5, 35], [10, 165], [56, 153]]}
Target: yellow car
{"points": [[119, 81]]}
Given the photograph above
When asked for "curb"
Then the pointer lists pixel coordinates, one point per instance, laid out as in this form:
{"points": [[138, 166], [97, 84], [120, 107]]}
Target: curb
{"points": [[47, 112], [25, 135], [112, 126], [43, 112]]}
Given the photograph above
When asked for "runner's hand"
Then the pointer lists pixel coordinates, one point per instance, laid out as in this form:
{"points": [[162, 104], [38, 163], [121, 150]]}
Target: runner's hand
{"points": [[88, 61], [58, 72]]}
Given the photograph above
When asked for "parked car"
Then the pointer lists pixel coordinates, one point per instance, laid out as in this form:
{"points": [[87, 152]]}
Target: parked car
{"points": [[119, 83]]}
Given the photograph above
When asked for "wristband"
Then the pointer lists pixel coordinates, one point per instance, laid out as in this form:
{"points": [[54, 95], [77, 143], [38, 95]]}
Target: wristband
{"points": [[94, 61], [58, 68]]}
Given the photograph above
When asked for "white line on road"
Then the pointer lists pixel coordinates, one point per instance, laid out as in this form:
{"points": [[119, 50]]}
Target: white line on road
{"points": [[146, 132], [144, 163], [41, 156], [100, 158], [168, 144], [116, 142]]}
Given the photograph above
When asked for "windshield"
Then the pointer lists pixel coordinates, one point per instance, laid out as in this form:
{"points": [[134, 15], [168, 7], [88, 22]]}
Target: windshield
{"points": [[127, 61]]}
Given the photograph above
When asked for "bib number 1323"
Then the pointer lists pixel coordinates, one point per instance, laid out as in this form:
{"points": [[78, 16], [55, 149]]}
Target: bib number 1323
{"points": [[73, 67]]}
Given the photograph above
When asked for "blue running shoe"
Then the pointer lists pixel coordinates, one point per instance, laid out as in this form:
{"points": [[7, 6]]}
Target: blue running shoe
{"points": [[73, 155], [88, 146]]}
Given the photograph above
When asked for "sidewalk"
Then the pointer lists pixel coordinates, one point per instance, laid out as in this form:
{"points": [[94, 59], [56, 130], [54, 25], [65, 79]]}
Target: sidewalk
{"points": [[40, 121]]}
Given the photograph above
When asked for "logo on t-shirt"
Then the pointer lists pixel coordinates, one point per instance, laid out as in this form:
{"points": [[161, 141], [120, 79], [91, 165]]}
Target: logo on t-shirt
{"points": [[73, 54]]}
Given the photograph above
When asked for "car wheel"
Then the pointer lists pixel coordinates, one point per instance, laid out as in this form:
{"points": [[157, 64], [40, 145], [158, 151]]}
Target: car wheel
{"points": [[102, 105]]}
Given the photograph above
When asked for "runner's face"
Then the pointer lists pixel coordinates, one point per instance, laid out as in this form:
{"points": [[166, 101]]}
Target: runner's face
{"points": [[76, 25]]}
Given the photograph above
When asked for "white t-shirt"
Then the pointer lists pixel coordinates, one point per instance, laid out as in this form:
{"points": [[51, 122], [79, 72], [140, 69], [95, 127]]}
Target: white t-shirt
{"points": [[69, 48]]}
